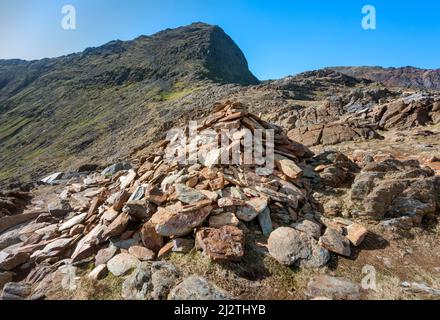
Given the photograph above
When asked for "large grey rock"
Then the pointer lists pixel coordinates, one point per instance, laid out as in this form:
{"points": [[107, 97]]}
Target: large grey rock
{"points": [[265, 221], [16, 291], [309, 227], [138, 285], [59, 208], [187, 194], [114, 168], [122, 263], [289, 246], [332, 287], [378, 202], [49, 281], [52, 178], [164, 278], [198, 288]]}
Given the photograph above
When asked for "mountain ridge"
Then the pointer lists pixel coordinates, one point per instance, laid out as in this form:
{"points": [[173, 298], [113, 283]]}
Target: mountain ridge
{"points": [[405, 77]]}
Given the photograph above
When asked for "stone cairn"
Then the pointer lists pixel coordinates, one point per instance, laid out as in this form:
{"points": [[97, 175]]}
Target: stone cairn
{"points": [[124, 215]]}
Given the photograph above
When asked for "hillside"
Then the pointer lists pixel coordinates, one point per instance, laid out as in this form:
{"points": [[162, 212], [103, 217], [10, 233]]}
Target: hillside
{"points": [[406, 77], [57, 113]]}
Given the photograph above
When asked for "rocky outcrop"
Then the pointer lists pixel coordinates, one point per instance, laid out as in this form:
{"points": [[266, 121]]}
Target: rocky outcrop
{"points": [[393, 188], [417, 109], [332, 133]]}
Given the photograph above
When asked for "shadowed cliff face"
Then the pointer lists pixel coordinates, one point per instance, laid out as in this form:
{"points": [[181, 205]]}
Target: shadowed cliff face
{"points": [[407, 77]]}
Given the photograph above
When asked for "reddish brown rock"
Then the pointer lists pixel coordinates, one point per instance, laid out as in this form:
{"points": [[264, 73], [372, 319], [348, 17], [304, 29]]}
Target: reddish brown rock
{"points": [[289, 168], [150, 238], [155, 195], [165, 250], [104, 255], [226, 243], [356, 233], [169, 222], [142, 253], [120, 200], [118, 226]]}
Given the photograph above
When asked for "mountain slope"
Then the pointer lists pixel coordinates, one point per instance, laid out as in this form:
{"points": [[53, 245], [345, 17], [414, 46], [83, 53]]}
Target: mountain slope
{"points": [[100, 103], [406, 77]]}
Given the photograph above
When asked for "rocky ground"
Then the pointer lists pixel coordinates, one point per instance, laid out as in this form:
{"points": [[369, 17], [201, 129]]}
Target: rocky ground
{"points": [[328, 216]]}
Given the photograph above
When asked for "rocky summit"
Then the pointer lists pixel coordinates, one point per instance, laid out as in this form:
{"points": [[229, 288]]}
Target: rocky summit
{"points": [[166, 170]]}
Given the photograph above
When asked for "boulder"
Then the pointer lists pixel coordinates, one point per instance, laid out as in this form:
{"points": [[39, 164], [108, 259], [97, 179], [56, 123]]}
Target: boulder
{"points": [[289, 246], [15, 291], [313, 229], [378, 202]]}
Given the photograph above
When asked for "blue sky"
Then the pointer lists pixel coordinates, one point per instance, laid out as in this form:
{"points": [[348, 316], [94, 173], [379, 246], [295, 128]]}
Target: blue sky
{"points": [[278, 37]]}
